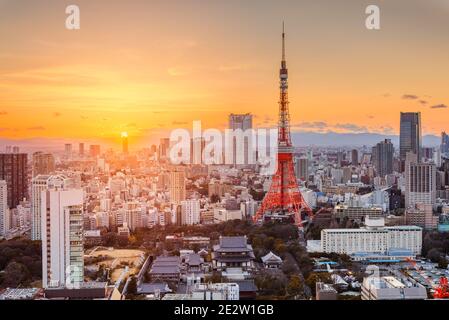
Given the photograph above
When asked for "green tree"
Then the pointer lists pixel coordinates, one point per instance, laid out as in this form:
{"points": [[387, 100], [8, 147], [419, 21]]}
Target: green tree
{"points": [[132, 287], [15, 274], [295, 286]]}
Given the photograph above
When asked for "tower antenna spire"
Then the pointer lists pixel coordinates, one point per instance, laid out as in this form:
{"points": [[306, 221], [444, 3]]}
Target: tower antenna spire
{"points": [[283, 41]]}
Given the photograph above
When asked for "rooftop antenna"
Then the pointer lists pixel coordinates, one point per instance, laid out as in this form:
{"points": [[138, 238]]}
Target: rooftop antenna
{"points": [[283, 41]]}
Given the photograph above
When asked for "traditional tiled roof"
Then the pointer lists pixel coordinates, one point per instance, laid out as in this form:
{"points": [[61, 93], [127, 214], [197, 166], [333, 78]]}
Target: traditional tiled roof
{"points": [[271, 257]]}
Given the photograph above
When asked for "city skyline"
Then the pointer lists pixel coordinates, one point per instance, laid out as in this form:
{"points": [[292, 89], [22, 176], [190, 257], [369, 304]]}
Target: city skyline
{"points": [[143, 72]]}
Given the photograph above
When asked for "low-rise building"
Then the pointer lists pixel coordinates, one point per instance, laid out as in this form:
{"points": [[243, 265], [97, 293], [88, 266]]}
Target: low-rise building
{"points": [[271, 261], [325, 291], [166, 269], [233, 252], [391, 288]]}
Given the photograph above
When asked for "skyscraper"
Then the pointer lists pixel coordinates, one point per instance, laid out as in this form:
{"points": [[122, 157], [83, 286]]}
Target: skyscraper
{"points": [[43, 163], [382, 156], [241, 122], [164, 148], [197, 146], [177, 185], [68, 150], [38, 184], [62, 237], [410, 135], [14, 170], [354, 157], [302, 168], [420, 182], [445, 143], [81, 150], [4, 210]]}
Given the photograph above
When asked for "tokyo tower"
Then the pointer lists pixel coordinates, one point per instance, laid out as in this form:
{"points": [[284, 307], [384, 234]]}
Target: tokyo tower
{"points": [[283, 200]]}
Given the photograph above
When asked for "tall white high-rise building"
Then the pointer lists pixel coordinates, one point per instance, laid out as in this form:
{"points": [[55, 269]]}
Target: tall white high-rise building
{"points": [[4, 210], [39, 184], [190, 212], [177, 185], [62, 237]]}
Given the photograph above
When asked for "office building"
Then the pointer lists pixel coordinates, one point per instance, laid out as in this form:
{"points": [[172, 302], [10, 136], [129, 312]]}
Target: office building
{"points": [[62, 238], [197, 146], [43, 163], [302, 169], [374, 238], [14, 170], [81, 150], [445, 143], [38, 184], [4, 210], [68, 151], [237, 147], [133, 215], [177, 185], [382, 157], [420, 182], [421, 215], [410, 139], [355, 157], [164, 148], [190, 212], [342, 211]]}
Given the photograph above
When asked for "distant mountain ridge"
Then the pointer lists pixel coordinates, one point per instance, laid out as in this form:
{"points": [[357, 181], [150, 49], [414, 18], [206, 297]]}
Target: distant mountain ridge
{"points": [[300, 139], [303, 139]]}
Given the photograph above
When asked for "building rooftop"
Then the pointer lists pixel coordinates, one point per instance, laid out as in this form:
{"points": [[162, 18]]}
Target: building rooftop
{"points": [[271, 257], [233, 244]]}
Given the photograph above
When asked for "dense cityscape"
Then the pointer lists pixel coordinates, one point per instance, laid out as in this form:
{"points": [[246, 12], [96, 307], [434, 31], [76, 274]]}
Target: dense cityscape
{"points": [[344, 223]]}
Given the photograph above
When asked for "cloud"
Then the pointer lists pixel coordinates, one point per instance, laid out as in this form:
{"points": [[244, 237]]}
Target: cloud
{"points": [[409, 97], [386, 95], [387, 130], [3, 113], [312, 125], [56, 114], [351, 127], [439, 106], [422, 102], [37, 128]]}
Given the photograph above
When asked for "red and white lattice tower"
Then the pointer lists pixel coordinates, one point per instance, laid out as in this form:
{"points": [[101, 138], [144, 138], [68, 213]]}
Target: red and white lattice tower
{"points": [[284, 197]]}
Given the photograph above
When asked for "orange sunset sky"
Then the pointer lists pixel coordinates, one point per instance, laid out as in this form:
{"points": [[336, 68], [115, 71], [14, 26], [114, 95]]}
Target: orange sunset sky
{"points": [[148, 66]]}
